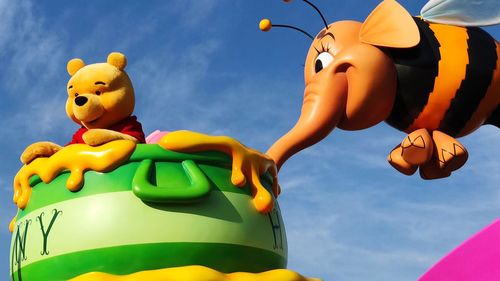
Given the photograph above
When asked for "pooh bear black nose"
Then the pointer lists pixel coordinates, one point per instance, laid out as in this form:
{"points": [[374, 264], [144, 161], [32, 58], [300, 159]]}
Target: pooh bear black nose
{"points": [[81, 101]]}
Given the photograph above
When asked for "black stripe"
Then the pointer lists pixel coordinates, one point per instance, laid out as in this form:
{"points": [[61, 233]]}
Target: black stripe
{"points": [[494, 118], [479, 73], [417, 69]]}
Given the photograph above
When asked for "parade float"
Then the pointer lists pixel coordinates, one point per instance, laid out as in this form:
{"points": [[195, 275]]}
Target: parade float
{"points": [[115, 205], [113, 202], [139, 207]]}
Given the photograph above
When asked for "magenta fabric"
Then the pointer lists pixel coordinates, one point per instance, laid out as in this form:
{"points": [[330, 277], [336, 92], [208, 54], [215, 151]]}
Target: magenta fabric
{"points": [[477, 259]]}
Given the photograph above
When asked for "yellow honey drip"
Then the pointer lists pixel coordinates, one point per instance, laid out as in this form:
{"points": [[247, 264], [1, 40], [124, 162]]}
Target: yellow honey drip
{"points": [[196, 273], [12, 224], [76, 158], [248, 164]]}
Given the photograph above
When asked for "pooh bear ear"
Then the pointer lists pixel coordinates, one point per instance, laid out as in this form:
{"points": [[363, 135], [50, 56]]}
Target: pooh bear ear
{"points": [[118, 60], [390, 25], [74, 65]]}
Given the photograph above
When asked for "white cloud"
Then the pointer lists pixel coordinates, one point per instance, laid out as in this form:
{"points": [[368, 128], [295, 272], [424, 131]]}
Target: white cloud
{"points": [[31, 57], [360, 235], [193, 13], [350, 217], [166, 83]]}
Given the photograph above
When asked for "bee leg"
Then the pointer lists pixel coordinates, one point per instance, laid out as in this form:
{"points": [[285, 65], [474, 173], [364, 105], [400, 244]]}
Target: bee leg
{"points": [[450, 152], [417, 147], [449, 155], [397, 161], [431, 171]]}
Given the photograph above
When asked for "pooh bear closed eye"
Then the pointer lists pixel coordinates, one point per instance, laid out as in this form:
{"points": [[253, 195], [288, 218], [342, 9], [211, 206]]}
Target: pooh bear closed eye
{"points": [[101, 100]]}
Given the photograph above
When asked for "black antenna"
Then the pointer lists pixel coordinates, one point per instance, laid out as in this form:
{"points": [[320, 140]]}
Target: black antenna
{"points": [[266, 25], [319, 12]]}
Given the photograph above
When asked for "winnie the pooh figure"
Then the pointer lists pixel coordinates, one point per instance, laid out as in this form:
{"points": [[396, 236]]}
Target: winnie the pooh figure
{"points": [[101, 99]]}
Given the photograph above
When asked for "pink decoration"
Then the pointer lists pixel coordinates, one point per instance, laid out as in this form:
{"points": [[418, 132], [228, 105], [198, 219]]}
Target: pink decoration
{"points": [[155, 136], [477, 259]]}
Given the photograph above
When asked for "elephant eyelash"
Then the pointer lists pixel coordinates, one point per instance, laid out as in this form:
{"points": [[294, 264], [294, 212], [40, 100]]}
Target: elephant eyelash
{"points": [[323, 48]]}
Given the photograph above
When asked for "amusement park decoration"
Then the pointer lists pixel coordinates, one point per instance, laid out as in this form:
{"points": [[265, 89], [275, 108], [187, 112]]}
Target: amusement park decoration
{"points": [[115, 205], [108, 206], [432, 80], [475, 259]]}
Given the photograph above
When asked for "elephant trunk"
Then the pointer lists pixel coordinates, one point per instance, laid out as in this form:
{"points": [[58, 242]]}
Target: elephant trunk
{"points": [[323, 108]]}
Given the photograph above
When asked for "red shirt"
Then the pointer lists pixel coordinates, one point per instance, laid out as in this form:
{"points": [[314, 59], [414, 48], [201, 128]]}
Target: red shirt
{"points": [[129, 126]]}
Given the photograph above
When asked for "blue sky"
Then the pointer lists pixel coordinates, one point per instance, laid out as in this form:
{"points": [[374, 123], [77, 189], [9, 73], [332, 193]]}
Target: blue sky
{"points": [[204, 65]]}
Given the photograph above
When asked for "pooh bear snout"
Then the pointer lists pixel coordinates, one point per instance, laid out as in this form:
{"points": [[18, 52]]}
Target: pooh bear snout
{"points": [[88, 107], [81, 101]]}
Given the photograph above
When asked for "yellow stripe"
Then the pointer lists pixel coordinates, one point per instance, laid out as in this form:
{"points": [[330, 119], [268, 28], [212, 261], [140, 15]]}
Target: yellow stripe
{"points": [[196, 273], [452, 67]]}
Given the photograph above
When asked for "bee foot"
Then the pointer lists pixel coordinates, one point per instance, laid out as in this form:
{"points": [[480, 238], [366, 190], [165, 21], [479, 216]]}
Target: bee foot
{"points": [[449, 152], [431, 171], [417, 147], [397, 161]]}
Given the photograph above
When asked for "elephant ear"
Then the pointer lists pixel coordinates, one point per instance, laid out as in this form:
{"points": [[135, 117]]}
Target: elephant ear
{"points": [[390, 25]]}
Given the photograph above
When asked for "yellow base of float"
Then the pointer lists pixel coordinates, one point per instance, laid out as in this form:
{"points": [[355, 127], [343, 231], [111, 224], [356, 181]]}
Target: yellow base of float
{"points": [[196, 273]]}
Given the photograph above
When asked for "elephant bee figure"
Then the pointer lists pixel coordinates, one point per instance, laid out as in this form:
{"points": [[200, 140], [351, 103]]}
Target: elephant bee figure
{"points": [[435, 77]]}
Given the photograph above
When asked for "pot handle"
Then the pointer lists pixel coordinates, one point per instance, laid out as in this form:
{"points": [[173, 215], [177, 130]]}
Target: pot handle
{"points": [[199, 185]]}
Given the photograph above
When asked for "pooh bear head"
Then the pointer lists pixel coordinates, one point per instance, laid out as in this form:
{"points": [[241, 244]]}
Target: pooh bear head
{"points": [[100, 94]]}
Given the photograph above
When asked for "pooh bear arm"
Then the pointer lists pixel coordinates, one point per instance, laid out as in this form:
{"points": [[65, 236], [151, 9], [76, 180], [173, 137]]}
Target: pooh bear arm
{"points": [[95, 137], [129, 129], [39, 149]]}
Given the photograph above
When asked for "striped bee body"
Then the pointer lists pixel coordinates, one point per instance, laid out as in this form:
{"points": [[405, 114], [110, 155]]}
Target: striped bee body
{"points": [[449, 82]]}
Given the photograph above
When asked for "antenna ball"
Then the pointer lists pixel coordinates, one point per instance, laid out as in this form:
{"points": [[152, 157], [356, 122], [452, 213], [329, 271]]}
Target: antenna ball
{"points": [[265, 25]]}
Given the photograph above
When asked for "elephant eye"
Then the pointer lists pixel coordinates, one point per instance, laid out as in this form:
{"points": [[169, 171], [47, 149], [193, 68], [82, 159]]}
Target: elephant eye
{"points": [[323, 60]]}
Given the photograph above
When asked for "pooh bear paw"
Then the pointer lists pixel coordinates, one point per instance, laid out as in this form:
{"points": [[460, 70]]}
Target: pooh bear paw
{"points": [[96, 137], [39, 149]]}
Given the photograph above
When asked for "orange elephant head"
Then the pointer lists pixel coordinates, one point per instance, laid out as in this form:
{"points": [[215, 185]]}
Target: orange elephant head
{"points": [[350, 81]]}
